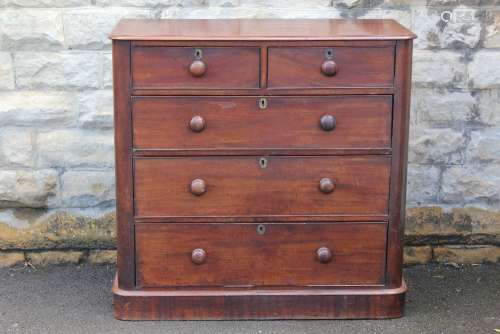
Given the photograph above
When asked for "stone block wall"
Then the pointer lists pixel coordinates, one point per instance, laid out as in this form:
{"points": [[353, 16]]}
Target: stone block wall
{"points": [[56, 130]]}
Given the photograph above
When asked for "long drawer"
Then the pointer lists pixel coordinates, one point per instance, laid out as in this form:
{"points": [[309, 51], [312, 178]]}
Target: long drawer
{"points": [[184, 255], [255, 186], [210, 123]]}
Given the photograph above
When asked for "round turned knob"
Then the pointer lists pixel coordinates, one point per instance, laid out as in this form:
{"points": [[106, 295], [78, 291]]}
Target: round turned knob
{"points": [[198, 187], [198, 256], [328, 122], [326, 185], [329, 68], [197, 124], [197, 68], [324, 254]]}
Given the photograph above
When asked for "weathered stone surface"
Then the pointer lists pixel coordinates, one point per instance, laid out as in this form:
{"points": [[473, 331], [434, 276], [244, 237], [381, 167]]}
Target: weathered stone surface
{"points": [[489, 106], [474, 3], [107, 70], [484, 146], [438, 107], [37, 108], [400, 3], [279, 3], [471, 184], [6, 71], [347, 4], [417, 255], [82, 189], [16, 148], [44, 3], [484, 71], [249, 12], [436, 146], [431, 222], [492, 35], [423, 184], [64, 229], [76, 148], [446, 28], [216, 12], [402, 16], [135, 3], [89, 27], [54, 257], [434, 225], [31, 29], [438, 68], [22, 188], [467, 254], [63, 70], [102, 257], [9, 259], [61, 117], [96, 109]]}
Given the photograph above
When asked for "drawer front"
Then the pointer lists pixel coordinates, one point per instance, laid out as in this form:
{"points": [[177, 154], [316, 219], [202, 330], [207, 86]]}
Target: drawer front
{"points": [[342, 122], [343, 66], [192, 68], [261, 255], [254, 186]]}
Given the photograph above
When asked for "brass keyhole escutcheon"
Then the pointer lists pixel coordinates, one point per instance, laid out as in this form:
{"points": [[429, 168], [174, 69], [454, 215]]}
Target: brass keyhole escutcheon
{"points": [[329, 53], [261, 229], [198, 54], [263, 162], [262, 103]]}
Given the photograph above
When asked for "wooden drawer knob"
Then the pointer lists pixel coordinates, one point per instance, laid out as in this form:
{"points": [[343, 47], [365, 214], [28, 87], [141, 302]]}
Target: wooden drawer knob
{"points": [[329, 68], [198, 187], [328, 122], [326, 185], [197, 68], [198, 256], [324, 254], [197, 124]]}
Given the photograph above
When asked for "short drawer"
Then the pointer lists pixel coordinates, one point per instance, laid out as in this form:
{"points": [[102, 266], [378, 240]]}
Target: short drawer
{"points": [[256, 186], [274, 123], [195, 68], [335, 67], [260, 255]]}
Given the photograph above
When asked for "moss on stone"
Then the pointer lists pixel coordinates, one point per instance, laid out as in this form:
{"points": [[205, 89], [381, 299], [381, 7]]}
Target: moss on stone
{"points": [[435, 225], [57, 230]]}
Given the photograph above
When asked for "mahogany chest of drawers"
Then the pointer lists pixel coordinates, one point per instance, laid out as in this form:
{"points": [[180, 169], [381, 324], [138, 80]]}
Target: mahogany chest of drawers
{"points": [[260, 168]]}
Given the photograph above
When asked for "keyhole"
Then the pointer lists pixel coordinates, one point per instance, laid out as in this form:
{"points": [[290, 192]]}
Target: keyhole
{"points": [[263, 162], [329, 53], [261, 229], [263, 103], [197, 53]]}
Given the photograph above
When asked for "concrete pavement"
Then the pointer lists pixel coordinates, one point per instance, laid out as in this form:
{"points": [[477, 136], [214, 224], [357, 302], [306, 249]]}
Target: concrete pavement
{"points": [[77, 299]]}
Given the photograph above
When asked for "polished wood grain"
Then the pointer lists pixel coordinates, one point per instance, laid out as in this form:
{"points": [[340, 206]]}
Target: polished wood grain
{"points": [[259, 30], [269, 155], [123, 160], [243, 186], [299, 67], [279, 255], [401, 123], [361, 122], [176, 67], [259, 303], [265, 91]]}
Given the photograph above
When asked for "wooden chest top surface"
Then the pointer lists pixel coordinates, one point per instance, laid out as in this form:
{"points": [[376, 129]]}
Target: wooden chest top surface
{"points": [[260, 29]]}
